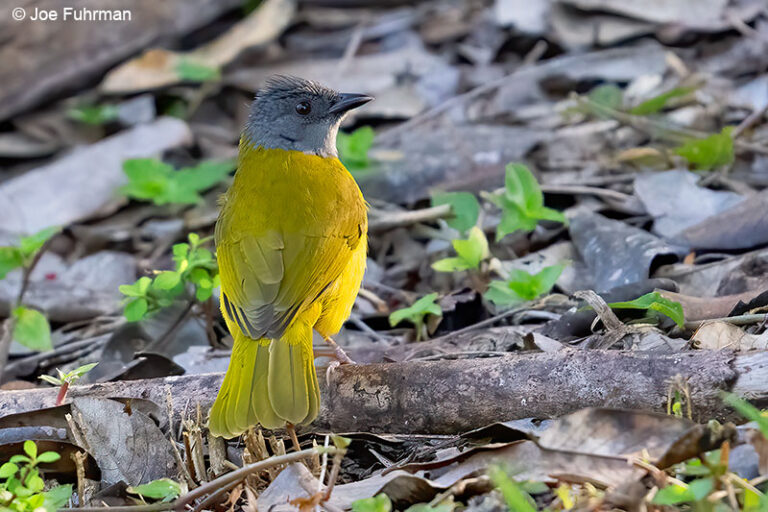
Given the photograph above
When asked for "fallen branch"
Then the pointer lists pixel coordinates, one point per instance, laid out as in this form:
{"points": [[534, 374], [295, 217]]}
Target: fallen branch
{"points": [[451, 396]]}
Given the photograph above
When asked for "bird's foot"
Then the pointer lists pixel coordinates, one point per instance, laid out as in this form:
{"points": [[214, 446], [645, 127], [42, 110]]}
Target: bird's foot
{"points": [[339, 354]]}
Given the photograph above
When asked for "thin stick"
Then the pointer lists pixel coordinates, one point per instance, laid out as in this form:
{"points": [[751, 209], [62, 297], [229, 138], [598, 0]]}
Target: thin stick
{"points": [[388, 221], [243, 472], [747, 319]]}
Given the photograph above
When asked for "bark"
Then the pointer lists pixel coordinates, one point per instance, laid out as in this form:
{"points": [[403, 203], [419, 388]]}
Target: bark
{"points": [[451, 396]]}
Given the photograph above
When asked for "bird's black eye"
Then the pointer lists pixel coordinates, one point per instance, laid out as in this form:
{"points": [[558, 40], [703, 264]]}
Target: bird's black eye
{"points": [[303, 108]]}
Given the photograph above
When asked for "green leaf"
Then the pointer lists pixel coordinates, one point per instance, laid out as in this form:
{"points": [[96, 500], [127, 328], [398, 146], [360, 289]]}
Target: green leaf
{"points": [[516, 499], [166, 280], [464, 206], [426, 507], [32, 329], [153, 180], [18, 458], [607, 95], [30, 448], [136, 309], [656, 302], [523, 286], [82, 370], [471, 252], [203, 294], [93, 114], [51, 380], [10, 258], [192, 71], [416, 312], [450, 265], [341, 442], [57, 497], [701, 488], [29, 245], [379, 503], [48, 457], [205, 175], [8, 470], [522, 202], [749, 411], [353, 147], [137, 289], [713, 151], [162, 489], [474, 249], [673, 495], [657, 103]]}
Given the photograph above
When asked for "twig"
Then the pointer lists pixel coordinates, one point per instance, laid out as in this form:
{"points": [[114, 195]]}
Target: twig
{"points": [[173, 328], [747, 319], [388, 221], [240, 474], [665, 130]]}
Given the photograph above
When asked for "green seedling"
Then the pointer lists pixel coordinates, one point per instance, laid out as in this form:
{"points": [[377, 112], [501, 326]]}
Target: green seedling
{"points": [[379, 503], [658, 103], [93, 114], [515, 497], [67, 379], [417, 313], [713, 151], [156, 181], [195, 272], [190, 70], [654, 301], [353, 148], [470, 253], [30, 327], [465, 209], [523, 286], [608, 96], [694, 492], [21, 486], [163, 489], [521, 203]]}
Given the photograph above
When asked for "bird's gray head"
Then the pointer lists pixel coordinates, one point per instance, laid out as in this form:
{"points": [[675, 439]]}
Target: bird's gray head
{"points": [[297, 114]]}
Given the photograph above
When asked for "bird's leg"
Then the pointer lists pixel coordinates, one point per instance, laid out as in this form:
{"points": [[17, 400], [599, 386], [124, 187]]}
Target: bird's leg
{"points": [[338, 352], [291, 429]]}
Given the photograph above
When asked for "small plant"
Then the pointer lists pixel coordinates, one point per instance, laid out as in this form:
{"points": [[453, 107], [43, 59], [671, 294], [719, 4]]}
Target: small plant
{"points": [[353, 148], [379, 503], [21, 486], [464, 207], [654, 302], [713, 151], [523, 286], [30, 327], [156, 181], [607, 95], [163, 489], [93, 114], [521, 203], [749, 411], [657, 103], [67, 379], [515, 497], [417, 313], [470, 253], [195, 269], [190, 70]]}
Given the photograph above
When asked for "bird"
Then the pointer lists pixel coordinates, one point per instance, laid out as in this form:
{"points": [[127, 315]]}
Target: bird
{"points": [[291, 244]]}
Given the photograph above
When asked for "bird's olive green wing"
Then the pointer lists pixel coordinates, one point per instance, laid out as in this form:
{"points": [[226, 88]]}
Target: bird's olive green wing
{"points": [[267, 279]]}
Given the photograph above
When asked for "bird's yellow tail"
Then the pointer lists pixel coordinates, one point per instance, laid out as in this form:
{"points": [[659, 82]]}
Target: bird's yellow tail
{"points": [[271, 382]]}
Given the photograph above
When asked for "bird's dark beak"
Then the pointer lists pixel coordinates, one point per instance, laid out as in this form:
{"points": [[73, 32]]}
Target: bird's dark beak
{"points": [[348, 101]]}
